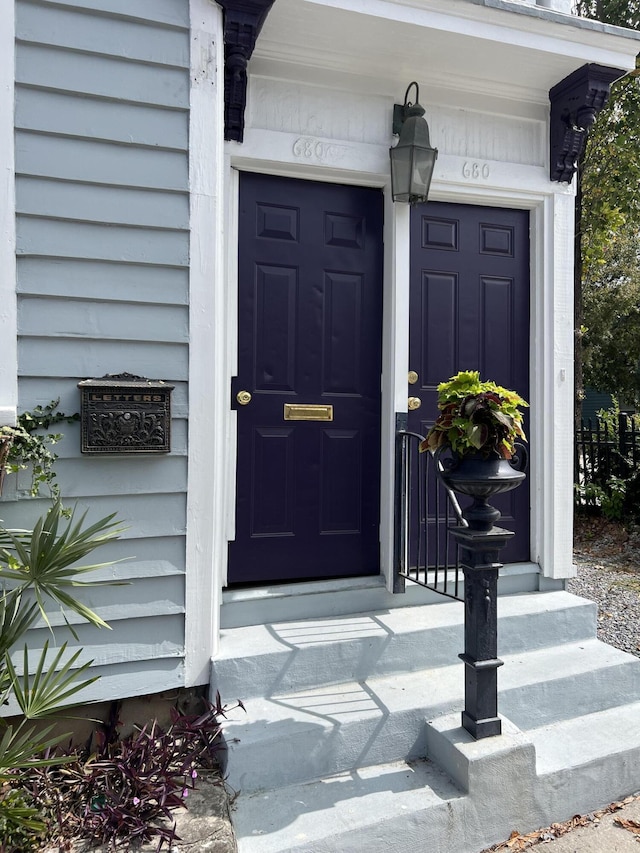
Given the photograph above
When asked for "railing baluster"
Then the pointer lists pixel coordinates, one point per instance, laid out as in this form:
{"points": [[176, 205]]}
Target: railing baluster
{"points": [[418, 490]]}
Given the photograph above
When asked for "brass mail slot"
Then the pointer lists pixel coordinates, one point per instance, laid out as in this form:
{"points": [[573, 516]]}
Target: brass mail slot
{"points": [[295, 412]]}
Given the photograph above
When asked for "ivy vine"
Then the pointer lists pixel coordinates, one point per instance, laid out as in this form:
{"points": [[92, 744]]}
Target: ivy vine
{"points": [[28, 445]]}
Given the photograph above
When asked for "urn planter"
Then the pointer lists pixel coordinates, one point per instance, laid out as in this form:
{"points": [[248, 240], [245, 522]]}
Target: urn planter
{"points": [[481, 477]]}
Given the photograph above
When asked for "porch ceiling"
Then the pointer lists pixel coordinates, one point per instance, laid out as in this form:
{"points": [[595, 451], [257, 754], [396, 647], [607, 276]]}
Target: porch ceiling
{"points": [[503, 48]]}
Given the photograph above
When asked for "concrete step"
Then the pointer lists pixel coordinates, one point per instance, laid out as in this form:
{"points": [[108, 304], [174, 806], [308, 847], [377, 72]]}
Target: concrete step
{"points": [[588, 760], [295, 737], [562, 682], [263, 660], [374, 809], [343, 711], [523, 780]]}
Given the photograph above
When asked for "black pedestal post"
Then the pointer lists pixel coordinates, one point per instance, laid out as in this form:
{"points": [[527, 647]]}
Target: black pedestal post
{"points": [[479, 551]]}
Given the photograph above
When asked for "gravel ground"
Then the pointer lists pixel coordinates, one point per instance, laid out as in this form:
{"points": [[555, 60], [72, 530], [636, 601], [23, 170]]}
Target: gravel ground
{"points": [[608, 563]]}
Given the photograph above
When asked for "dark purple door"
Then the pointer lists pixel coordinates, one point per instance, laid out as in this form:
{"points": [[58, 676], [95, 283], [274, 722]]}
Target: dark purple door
{"points": [[470, 311], [309, 336]]}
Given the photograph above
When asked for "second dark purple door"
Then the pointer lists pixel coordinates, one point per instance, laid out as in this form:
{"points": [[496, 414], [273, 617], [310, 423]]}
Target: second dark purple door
{"points": [[470, 311], [309, 346]]}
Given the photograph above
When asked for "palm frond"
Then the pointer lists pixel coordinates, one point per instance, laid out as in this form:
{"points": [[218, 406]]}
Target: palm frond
{"points": [[48, 689], [45, 560]]}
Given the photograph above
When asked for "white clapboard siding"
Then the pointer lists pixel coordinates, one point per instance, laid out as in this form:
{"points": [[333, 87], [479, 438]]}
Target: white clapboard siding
{"points": [[102, 204]]}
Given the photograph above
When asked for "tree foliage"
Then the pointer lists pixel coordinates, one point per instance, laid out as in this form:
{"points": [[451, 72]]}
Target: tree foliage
{"points": [[611, 295], [608, 226]]}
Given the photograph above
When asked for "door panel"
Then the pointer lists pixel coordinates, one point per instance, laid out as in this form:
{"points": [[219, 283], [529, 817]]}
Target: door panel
{"points": [[470, 311], [309, 333]]}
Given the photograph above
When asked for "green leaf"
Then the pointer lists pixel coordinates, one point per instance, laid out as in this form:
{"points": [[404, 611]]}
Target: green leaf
{"points": [[51, 685], [46, 560], [20, 747]]}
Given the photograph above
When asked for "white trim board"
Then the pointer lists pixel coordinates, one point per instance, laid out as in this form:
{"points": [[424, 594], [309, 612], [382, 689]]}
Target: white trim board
{"points": [[8, 300], [208, 391]]}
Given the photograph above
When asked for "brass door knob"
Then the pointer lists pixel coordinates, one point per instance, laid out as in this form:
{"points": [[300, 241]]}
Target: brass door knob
{"points": [[243, 397], [412, 377], [414, 403]]}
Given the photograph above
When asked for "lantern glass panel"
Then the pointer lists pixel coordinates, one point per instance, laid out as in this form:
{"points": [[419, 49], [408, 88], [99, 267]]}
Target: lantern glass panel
{"points": [[401, 172]]}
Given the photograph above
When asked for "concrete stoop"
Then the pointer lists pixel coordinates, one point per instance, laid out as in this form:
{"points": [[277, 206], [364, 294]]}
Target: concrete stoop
{"points": [[352, 738]]}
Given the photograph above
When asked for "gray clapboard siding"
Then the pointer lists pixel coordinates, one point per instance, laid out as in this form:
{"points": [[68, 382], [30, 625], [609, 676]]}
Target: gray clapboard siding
{"points": [[98, 119], [56, 238], [133, 599], [57, 357], [127, 679], [77, 30], [141, 558], [101, 204], [174, 13], [39, 390], [102, 100], [102, 280], [99, 162], [160, 515], [87, 74], [151, 637], [61, 317], [134, 679], [151, 474]]}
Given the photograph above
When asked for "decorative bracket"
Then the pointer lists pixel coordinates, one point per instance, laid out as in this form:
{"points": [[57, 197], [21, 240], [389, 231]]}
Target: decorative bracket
{"points": [[575, 103], [243, 20]]}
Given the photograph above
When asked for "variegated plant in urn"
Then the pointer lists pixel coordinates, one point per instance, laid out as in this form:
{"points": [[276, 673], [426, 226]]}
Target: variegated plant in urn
{"points": [[481, 423]]}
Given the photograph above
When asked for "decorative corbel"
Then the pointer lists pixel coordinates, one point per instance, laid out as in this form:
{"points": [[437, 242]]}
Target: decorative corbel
{"points": [[575, 103], [243, 20]]}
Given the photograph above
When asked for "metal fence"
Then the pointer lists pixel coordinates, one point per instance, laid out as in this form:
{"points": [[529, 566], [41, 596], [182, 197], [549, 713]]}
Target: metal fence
{"points": [[425, 509], [604, 449]]}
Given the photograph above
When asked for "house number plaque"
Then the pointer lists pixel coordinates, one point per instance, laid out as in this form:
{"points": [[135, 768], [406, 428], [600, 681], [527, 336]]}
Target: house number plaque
{"points": [[123, 413]]}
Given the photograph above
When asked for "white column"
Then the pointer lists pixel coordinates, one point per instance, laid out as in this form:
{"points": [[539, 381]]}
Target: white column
{"points": [[552, 386]]}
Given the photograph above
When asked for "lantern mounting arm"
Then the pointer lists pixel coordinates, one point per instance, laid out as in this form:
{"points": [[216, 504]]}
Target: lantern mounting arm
{"points": [[401, 112]]}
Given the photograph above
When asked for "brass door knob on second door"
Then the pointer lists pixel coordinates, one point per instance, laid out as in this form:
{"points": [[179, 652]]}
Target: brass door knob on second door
{"points": [[414, 403], [243, 397]]}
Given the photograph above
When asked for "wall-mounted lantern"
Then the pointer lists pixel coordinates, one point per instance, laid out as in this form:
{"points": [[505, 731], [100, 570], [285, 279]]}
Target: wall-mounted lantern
{"points": [[413, 158]]}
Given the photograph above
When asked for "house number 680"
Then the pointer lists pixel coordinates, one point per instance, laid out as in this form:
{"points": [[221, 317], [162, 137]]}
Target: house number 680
{"points": [[475, 170]]}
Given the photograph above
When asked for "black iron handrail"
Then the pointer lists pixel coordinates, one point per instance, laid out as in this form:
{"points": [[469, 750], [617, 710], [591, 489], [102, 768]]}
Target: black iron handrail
{"points": [[425, 509]]}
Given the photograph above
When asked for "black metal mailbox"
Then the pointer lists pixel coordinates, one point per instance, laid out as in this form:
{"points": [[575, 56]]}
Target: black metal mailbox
{"points": [[123, 413]]}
